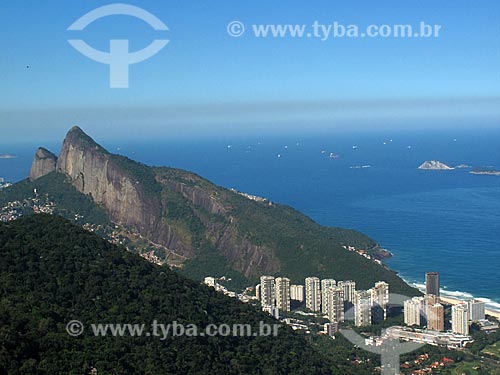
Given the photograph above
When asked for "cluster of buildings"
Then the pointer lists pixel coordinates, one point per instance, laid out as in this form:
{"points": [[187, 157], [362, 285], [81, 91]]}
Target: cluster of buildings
{"points": [[213, 282], [12, 211], [15, 210], [428, 311], [151, 257], [338, 301], [115, 234], [4, 184], [363, 253], [430, 367], [255, 198]]}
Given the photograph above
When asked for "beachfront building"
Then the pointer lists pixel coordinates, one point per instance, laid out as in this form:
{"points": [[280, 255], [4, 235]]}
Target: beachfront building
{"points": [[477, 310], [460, 319], [282, 285], [432, 283], [313, 294], [435, 317]]}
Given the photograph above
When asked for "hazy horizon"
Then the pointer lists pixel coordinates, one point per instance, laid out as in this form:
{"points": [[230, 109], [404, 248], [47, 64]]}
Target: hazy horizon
{"points": [[206, 81]]}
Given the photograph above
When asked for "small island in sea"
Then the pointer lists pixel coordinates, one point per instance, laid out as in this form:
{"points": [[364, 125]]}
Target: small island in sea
{"points": [[435, 165], [7, 156], [485, 170]]}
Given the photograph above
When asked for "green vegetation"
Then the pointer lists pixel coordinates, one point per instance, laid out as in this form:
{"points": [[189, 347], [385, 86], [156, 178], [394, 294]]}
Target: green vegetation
{"points": [[475, 368], [221, 232], [492, 350], [483, 340], [138, 172], [52, 272], [303, 247], [59, 190], [85, 140]]}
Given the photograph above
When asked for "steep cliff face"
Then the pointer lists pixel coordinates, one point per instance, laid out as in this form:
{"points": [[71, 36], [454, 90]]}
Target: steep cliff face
{"points": [[156, 203], [247, 258], [96, 172], [214, 230], [44, 162], [199, 197]]}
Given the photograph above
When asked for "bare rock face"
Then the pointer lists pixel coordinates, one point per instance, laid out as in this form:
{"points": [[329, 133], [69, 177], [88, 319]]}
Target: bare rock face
{"points": [[43, 163], [96, 172], [135, 196], [245, 257]]}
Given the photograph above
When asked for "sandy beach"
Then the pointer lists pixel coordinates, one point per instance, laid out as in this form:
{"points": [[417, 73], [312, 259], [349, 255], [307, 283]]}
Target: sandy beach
{"points": [[456, 301]]}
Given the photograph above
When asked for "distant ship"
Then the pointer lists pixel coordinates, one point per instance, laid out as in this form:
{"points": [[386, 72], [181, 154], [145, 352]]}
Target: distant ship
{"points": [[360, 166], [7, 156]]}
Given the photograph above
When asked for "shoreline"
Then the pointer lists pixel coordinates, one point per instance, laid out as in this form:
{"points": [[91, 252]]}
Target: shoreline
{"points": [[452, 300], [456, 301]]}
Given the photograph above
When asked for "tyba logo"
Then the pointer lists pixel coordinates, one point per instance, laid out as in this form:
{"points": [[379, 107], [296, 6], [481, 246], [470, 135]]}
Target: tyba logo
{"points": [[119, 58]]}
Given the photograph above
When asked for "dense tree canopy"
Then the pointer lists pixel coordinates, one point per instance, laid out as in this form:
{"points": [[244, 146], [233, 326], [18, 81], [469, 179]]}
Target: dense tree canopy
{"points": [[52, 272]]}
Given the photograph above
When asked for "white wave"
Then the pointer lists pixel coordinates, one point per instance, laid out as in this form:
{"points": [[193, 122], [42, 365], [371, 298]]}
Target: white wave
{"points": [[457, 294], [465, 296], [419, 286], [489, 303]]}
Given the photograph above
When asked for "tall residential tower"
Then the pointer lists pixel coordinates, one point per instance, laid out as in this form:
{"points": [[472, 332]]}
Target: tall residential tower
{"points": [[432, 283], [313, 294]]}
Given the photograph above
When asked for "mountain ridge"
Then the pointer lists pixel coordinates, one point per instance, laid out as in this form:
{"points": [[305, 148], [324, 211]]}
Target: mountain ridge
{"points": [[212, 227]]}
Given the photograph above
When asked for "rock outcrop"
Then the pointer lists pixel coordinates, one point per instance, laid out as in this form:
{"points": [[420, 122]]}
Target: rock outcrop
{"points": [[213, 230], [127, 199], [435, 165], [43, 163]]}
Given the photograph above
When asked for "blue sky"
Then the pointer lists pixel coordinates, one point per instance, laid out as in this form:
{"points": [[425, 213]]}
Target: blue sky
{"points": [[205, 81]]}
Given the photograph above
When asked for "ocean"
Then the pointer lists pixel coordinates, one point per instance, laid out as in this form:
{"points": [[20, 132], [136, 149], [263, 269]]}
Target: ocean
{"points": [[445, 221]]}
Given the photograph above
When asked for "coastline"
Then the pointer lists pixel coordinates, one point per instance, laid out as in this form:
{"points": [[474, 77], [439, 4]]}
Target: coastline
{"points": [[456, 301]]}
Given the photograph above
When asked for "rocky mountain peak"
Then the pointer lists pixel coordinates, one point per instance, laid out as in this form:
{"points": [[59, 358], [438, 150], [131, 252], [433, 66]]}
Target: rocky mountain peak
{"points": [[44, 162], [78, 139]]}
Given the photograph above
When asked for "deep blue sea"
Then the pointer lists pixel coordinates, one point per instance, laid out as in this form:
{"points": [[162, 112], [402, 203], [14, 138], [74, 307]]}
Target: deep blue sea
{"points": [[446, 221]]}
